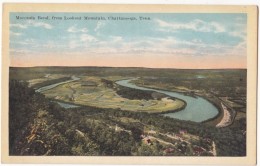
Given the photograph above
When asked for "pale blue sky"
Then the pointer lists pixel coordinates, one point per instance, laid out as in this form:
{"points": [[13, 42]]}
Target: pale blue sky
{"points": [[165, 35]]}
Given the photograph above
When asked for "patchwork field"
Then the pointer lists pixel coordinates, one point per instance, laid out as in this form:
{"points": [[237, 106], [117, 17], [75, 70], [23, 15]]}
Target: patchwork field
{"points": [[92, 91]]}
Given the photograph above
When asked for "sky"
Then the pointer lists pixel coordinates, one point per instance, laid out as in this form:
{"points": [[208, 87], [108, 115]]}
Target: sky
{"points": [[163, 40]]}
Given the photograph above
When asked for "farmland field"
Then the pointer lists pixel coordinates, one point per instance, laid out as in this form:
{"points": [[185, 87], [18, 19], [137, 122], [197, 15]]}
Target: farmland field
{"points": [[92, 91]]}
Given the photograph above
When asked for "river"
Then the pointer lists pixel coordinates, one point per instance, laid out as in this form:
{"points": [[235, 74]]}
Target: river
{"points": [[66, 105], [73, 78], [197, 109]]}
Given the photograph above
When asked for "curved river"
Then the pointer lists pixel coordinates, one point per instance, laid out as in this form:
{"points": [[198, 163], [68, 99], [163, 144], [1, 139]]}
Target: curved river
{"points": [[48, 87], [197, 109]]}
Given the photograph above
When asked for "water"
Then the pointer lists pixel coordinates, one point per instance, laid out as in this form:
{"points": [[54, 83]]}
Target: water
{"points": [[197, 109], [73, 78], [66, 105]]}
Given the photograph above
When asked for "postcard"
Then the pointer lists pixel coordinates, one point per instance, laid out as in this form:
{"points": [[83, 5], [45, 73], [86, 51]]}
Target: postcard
{"points": [[129, 84]]}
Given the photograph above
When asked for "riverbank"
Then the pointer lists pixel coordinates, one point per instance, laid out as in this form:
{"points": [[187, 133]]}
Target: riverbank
{"points": [[173, 111], [197, 109], [136, 94], [226, 115], [51, 86], [226, 120], [212, 99]]}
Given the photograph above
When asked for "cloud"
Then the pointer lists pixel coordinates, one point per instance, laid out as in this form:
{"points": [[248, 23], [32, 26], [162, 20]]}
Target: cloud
{"points": [[194, 25], [73, 44], [30, 42], [74, 29], [32, 24], [173, 47], [41, 24], [116, 39], [239, 34], [238, 30], [99, 25], [19, 52], [19, 26], [83, 41], [51, 45], [239, 49], [88, 38], [117, 45], [15, 33], [121, 45], [235, 30], [147, 45]]}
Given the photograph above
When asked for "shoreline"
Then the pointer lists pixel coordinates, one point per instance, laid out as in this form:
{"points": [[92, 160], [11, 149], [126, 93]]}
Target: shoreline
{"points": [[161, 112], [80, 105], [171, 111], [211, 121]]}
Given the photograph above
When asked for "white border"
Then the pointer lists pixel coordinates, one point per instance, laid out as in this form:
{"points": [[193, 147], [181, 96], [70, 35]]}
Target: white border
{"points": [[192, 2]]}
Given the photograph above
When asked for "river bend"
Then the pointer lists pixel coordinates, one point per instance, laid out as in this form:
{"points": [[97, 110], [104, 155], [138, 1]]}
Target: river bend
{"points": [[197, 109]]}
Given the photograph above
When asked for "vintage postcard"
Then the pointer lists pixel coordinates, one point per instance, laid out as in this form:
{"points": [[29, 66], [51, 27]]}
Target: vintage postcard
{"points": [[129, 84]]}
